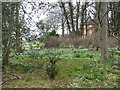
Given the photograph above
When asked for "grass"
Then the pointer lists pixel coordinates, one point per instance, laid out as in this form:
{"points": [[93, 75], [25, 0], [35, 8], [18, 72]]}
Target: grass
{"points": [[78, 68]]}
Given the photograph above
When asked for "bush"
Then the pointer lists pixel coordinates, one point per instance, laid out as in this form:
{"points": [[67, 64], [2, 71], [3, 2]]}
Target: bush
{"points": [[52, 66], [65, 42], [77, 42], [25, 68], [52, 42], [53, 33]]}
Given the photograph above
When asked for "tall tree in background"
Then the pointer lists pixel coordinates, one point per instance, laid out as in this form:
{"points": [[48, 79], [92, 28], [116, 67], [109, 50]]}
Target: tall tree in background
{"points": [[114, 19], [0, 32], [66, 16], [71, 15], [17, 30], [82, 19], [77, 16], [86, 23], [62, 24]]}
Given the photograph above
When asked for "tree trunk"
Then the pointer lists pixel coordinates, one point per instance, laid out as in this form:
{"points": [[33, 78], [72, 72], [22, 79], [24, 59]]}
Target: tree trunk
{"points": [[97, 26], [7, 45], [77, 17], [86, 3], [82, 20], [103, 30], [66, 16], [1, 39], [71, 15], [18, 41], [62, 24]]}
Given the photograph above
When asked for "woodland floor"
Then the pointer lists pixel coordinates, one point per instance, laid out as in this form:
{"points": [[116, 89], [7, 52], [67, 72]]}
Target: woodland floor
{"points": [[78, 68]]}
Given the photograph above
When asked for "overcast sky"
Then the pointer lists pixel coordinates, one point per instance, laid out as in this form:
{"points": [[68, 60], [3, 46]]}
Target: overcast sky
{"points": [[41, 14], [36, 17]]}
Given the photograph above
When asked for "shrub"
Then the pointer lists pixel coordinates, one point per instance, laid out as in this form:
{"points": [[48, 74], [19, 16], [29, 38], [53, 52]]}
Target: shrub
{"points": [[77, 42], [52, 42], [52, 66], [53, 33], [25, 68], [65, 42]]}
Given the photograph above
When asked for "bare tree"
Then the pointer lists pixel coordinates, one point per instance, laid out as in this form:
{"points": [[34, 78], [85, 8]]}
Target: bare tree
{"points": [[62, 24], [66, 16], [82, 19], [71, 15], [77, 16]]}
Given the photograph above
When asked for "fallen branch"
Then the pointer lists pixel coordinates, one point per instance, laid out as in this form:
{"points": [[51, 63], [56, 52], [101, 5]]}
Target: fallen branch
{"points": [[11, 74], [16, 77], [115, 37]]}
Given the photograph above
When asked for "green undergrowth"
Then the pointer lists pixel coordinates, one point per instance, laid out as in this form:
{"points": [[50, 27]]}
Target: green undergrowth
{"points": [[78, 68]]}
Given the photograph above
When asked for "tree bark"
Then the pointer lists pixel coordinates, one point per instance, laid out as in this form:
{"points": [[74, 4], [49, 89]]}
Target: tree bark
{"points": [[62, 24], [82, 20], [77, 16], [97, 26], [86, 3], [71, 15], [18, 41], [66, 16], [104, 30], [7, 44]]}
